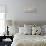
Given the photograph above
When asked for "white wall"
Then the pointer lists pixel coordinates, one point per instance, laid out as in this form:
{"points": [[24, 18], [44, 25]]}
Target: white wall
{"points": [[39, 4], [16, 10]]}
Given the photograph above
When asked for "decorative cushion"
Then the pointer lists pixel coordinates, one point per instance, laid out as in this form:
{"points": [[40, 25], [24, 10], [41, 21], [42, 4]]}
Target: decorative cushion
{"points": [[36, 30]]}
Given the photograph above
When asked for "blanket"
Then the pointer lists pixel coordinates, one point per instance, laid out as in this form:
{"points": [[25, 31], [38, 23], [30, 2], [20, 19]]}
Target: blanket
{"points": [[29, 40]]}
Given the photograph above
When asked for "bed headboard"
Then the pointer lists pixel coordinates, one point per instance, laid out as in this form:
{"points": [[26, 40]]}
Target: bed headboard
{"points": [[21, 23]]}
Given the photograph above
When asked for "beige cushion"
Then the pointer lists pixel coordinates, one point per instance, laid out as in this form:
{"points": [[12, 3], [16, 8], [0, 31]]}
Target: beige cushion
{"points": [[36, 30]]}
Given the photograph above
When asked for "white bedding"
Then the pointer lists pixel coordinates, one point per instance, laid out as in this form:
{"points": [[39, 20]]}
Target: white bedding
{"points": [[29, 40]]}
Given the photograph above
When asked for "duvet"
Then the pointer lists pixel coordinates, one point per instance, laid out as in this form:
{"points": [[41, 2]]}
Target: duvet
{"points": [[29, 40]]}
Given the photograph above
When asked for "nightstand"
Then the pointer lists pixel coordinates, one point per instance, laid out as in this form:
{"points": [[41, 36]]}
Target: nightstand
{"points": [[7, 40], [7, 43]]}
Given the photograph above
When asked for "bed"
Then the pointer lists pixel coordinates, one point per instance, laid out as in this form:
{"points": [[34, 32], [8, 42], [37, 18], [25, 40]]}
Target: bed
{"points": [[29, 40], [21, 39]]}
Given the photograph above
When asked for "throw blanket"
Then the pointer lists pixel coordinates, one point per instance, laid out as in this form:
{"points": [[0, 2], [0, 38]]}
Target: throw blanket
{"points": [[29, 40]]}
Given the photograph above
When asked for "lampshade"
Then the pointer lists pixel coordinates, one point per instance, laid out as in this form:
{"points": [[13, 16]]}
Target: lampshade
{"points": [[9, 22]]}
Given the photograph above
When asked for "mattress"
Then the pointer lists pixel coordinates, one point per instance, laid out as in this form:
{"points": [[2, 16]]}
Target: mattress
{"points": [[28, 40]]}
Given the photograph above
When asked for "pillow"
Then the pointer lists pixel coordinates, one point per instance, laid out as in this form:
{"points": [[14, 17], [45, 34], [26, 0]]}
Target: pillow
{"points": [[28, 28], [13, 30], [44, 29], [21, 30], [24, 30], [36, 30], [28, 31]]}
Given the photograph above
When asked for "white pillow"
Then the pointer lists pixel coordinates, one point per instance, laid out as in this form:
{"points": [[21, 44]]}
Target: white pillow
{"points": [[24, 30], [44, 26], [36, 30], [13, 30], [44, 31], [28, 31], [21, 30], [28, 28]]}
